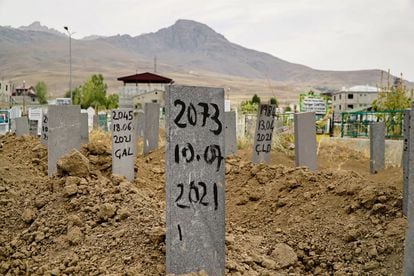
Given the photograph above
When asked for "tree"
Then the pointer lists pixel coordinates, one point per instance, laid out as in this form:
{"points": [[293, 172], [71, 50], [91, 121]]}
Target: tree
{"points": [[273, 100], [288, 108], [248, 107], [41, 92], [396, 99], [255, 99], [112, 101], [94, 92]]}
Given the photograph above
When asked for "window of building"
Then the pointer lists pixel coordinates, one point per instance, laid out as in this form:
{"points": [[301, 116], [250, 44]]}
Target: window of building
{"points": [[350, 106], [154, 101], [334, 98], [0, 85], [340, 96], [350, 96], [339, 107], [6, 87], [360, 95]]}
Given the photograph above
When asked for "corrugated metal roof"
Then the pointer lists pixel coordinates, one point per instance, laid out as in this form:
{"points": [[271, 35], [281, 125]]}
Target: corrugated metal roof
{"points": [[145, 78]]}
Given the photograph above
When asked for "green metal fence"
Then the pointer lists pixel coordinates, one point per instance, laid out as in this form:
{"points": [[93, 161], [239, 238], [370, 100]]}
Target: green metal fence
{"points": [[356, 124]]}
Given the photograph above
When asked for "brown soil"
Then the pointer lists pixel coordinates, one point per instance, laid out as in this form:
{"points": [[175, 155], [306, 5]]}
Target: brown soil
{"points": [[280, 220]]}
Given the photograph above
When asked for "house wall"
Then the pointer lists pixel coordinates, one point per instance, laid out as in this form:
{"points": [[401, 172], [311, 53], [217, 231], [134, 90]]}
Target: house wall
{"points": [[347, 100], [5, 91]]}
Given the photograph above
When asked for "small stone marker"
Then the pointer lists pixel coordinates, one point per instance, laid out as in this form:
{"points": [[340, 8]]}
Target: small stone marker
{"points": [[406, 167], [264, 133], [151, 126], [123, 142], [408, 269], [140, 123], [230, 133], [22, 126], [63, 132], [45, 129], [377, 146], [195, 180], [305, 140], [84, 128]]}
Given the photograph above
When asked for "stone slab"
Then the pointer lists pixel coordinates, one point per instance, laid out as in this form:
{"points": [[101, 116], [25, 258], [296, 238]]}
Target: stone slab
{"points": [[263, 133], [45, 129], [95, 122], [63, 132], [305, 140], [123, 142], [377, 146], [195, 180], [230, 133], [151, 126], [84, 128], [405, 161], [408, 267], [22, 126], [139, 123]]}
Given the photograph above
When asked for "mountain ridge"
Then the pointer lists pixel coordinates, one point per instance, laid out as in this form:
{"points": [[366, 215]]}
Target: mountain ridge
{"points": [[181, 49]]}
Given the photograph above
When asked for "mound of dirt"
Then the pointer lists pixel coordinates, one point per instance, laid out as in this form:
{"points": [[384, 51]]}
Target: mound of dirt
{"points": [[280, 220]]}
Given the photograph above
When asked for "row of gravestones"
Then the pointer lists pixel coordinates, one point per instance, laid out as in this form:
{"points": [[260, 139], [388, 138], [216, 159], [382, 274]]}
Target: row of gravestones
{"points": [[199, 135]]}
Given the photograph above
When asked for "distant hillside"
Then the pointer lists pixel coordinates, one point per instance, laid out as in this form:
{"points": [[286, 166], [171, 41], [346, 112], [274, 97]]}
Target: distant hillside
{"points": [[188, 51]]}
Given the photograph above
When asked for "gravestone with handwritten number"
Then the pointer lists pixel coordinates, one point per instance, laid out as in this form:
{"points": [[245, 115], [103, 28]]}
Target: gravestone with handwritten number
{"points": [[45, 129], [264, 133], [123, 142], [195, 180]]}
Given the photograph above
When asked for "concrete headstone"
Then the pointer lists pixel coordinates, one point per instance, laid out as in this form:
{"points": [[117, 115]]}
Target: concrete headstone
{"points": [[95, 123], [305, 140], [45, 129], [151, 126], [195, 180], [230, 133], [264, 133], [63, 132], [139, 123], [84, 128], [123, 142], [408, 269], [405, 161], [377, 146], [22, 126]]}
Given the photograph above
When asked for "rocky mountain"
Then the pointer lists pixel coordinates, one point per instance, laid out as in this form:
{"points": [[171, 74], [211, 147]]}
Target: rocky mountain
{"points": [[37, 27], [40, 53]]}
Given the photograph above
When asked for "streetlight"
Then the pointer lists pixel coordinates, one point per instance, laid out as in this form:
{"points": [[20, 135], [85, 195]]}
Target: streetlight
{"points": [[70, 60]]}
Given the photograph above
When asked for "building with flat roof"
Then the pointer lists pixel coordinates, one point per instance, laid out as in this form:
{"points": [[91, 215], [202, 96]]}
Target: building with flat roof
{"points": [[355, 97], [142, 88]]}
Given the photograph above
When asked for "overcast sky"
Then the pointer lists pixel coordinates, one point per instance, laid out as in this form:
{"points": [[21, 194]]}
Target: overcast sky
{"points": [[323, 34]]}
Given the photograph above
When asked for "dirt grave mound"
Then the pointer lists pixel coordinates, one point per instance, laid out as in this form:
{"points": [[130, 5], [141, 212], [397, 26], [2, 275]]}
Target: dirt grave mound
{"points": [[280, 220]]}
